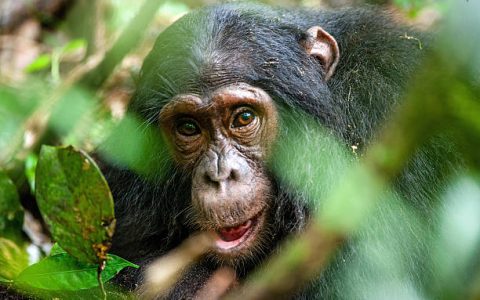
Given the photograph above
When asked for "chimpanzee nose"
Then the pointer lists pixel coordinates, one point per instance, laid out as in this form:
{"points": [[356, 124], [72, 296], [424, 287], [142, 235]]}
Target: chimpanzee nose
{"points": [[222, 170], [221, 174]]}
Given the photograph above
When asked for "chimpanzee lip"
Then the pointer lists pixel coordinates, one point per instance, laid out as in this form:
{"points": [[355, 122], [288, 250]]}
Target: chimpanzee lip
{"points": [[224, 245]]}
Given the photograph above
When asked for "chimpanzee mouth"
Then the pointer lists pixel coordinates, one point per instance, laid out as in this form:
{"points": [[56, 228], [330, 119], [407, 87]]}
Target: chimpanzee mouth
{"points": [[234, 238]]}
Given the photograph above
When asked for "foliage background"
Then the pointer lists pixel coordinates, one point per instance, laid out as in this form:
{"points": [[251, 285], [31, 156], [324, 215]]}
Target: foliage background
{"points": [[57, 88]]}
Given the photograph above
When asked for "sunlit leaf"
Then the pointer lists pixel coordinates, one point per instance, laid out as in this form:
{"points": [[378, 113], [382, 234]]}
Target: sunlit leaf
{"points": [[4, 280], [13, 259], [76, 202], [30, 166], [74, 45], [40, 63], [64, 272]]}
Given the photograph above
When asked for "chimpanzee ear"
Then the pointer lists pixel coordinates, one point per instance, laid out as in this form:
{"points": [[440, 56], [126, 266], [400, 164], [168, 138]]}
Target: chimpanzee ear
{"points": [[324, 47]]}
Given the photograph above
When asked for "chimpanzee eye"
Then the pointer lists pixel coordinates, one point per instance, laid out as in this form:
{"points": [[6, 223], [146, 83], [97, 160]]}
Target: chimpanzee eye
{"points": [[243, 118], [188, 128]]}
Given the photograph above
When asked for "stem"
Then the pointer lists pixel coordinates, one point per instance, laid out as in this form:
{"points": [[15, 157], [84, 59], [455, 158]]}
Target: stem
{"points": [[101, 267]]}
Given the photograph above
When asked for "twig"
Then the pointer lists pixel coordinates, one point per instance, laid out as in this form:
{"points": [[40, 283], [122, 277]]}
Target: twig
{"points": [[217, 285], [163, 273]]}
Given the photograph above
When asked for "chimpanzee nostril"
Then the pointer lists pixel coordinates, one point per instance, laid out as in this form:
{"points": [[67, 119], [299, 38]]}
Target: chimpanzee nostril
{"points": [[234, 175], [209, 180], [224, 175]]}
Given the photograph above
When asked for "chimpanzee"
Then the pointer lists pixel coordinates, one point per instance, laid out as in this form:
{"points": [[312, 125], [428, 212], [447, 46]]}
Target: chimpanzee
{"points": [[218, 86]]}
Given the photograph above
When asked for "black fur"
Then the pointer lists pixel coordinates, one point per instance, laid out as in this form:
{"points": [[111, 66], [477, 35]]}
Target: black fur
{"points": [[260, 45]]}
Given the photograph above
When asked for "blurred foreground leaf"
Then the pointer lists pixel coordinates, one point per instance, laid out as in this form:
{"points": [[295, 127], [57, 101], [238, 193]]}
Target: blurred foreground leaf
{"points": [[42, 62], [13, 259], [30, 166], [457, 249], [308, 158], [45, 61], [64, 272], [76, 202], [11, 213], [137, 146], [16, 105], [74, 45]]}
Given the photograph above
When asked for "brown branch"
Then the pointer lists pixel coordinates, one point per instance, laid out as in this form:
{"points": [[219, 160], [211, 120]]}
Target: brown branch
{"points": [[217, 285], [163, 273]]}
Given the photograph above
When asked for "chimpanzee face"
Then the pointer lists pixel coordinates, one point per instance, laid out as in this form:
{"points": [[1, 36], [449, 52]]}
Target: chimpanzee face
{"points": [[224, 137]]}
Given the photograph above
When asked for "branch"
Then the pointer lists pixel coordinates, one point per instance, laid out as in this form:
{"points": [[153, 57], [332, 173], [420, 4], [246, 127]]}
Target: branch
{"points": [[127, 41]]}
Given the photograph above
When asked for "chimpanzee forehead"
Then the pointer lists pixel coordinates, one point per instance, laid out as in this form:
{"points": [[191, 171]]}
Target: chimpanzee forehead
{"points": [[207, 50], [239, 94], [223, 46]]}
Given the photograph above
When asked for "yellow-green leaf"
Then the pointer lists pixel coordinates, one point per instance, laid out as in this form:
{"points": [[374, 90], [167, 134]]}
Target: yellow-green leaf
{"points": [[13, 258]]}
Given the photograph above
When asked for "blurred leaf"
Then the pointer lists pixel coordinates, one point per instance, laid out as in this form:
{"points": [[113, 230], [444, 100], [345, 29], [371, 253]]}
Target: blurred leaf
{"points": [[12, 112], [16, 105], [75, 201], [388, 250], [4, 280], [307, 157], [18, 102], [173, 8], [458, 245], [30, 166], [11, 212], [42, 62], [64, 272], [56, 249], [131, 143], [13, 259], [74, 45], [347, 207], [73, 106], [122, 12]]}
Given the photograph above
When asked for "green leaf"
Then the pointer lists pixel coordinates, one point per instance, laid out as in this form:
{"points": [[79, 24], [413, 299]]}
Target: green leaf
{"points": [[140, 148], [13, 259], [64, 272], [74, 45], [4, 280], [56, 249], [41, 63], [173, 8], [30, 166], [76, 202], [11, 213], [308, 158]]}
